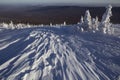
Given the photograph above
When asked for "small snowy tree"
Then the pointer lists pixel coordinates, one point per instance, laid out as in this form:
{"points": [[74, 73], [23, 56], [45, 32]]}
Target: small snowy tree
{"points": [[5, 25], [28, 25], [81, 24], [11, 25], [105, 25], [64, 23], [51, 24], [95, 23], [87, 21], [81, 20]]}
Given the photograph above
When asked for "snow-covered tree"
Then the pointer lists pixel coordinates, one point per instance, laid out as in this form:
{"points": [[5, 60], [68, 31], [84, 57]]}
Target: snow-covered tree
{"points": [[4, 25], [81, 20], [105, 25], [95, 23], [107, 14], [28, 25], [64, 23], [87, 21], [81, 23], [51, 24], [11, 25]]}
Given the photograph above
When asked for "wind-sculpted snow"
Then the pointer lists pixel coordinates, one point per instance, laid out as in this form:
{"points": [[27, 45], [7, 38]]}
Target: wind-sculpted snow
{"points": [[49, 53]]}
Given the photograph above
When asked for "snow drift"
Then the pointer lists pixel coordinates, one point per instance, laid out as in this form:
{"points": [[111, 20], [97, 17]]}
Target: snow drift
{"points": [[59, 52]]}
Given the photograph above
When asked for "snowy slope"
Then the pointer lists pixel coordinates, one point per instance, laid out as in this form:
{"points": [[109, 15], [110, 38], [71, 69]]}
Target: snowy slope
{"points": [[50, 53]]}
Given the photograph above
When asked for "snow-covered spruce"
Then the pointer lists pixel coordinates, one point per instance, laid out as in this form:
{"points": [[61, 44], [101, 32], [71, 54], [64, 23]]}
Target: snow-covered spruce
{"points": [[95, 24], [92, 24], [105, 25], [87, 25]]}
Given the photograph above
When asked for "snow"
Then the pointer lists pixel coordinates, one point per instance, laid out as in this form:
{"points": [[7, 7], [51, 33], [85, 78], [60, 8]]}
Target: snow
{"points": [[59, 52], [2, 45]]}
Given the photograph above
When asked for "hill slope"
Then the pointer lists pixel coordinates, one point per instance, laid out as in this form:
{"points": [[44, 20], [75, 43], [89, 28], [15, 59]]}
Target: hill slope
{"points": [[49, 53]]}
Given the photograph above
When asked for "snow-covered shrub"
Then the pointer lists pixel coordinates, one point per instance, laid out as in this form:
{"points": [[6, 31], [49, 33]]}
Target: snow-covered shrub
{"points": [[4, 25]]}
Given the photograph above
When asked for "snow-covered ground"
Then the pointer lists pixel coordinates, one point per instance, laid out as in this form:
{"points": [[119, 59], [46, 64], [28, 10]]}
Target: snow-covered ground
{"points": [[116, 30], [58, 53]]}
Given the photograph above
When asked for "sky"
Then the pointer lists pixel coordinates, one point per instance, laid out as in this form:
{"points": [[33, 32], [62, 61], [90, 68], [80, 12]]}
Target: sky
{"points": [[61, 1]]}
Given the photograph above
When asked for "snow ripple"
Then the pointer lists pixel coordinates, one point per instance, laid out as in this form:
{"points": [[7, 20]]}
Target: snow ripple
{"points": [[58, 54]]}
